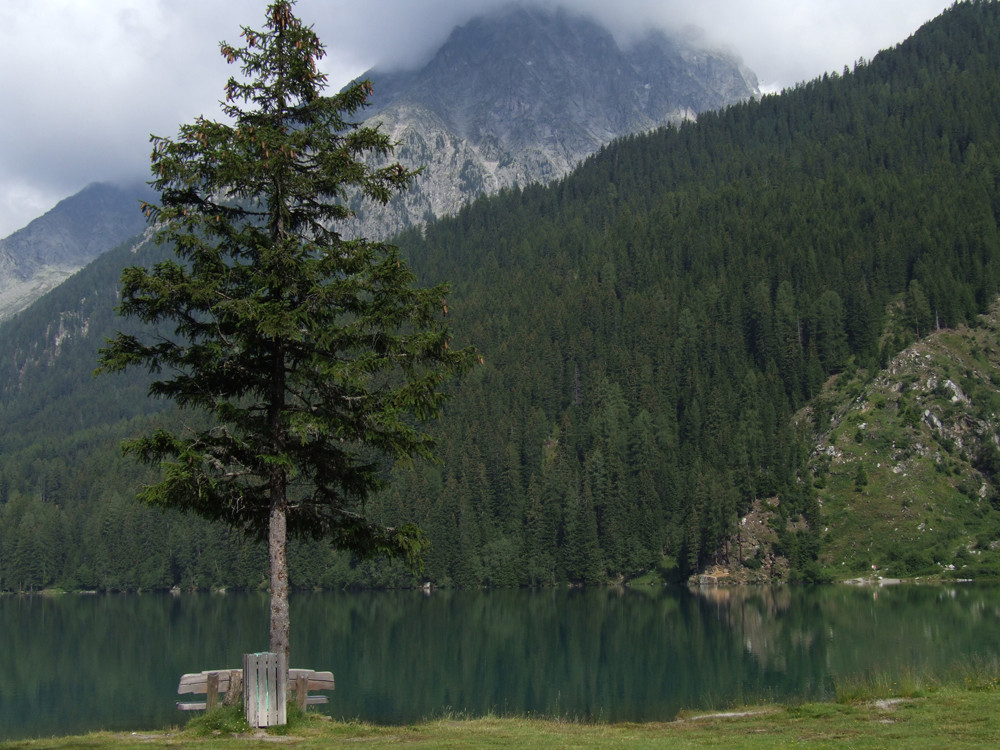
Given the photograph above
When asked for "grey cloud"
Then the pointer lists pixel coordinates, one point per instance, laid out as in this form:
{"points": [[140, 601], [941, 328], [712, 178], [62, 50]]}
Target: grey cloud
{"points": [[784, 41], [85, 83]]}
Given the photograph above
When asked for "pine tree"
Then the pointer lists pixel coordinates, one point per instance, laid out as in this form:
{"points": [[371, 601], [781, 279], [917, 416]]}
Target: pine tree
{"points": [[316, 357]]}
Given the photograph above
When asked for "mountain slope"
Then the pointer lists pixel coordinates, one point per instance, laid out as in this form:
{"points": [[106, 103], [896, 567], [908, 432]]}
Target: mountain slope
{"points": [[39, 257], [907, 463], [525, 94], [650, 325], [651, 322]]}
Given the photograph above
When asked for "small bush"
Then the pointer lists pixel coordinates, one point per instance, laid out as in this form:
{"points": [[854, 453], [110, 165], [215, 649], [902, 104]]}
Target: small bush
{"points": [[231, 720], [860, 478], [221, 720]]}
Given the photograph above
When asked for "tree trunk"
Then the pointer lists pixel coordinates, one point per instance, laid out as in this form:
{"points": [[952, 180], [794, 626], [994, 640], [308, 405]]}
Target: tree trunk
{"points": [[276, 543], [277, 537]]}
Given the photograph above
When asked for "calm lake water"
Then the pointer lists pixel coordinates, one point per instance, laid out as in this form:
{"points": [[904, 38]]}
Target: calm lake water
{"points": [[72, 664]]}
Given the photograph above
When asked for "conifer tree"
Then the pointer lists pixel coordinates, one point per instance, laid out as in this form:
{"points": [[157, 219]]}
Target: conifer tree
{"points": [[315, 357]]}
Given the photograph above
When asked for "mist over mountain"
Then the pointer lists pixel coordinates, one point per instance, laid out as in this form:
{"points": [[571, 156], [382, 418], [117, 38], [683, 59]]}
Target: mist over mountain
{"points": [[762, 344], [524, 94], [518, 96], [51, 248]]}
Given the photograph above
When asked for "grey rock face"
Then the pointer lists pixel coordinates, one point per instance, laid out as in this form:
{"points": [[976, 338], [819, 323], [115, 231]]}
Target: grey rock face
{"points": [[39, 257], [525, 95]]}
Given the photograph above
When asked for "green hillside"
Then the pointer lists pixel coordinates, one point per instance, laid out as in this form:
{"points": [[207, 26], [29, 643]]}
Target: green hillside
{"points": [[651, 325], [906, 463]]}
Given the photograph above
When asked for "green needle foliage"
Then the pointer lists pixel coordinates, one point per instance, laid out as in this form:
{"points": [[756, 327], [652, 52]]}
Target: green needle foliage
{"points": [[315, 356]]}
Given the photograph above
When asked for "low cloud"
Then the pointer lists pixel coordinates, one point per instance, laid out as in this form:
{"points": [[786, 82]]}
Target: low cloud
{"points": [[87, 81]]}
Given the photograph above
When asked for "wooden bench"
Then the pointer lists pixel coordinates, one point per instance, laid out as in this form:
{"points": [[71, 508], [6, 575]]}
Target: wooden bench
{"points": [[211, 682], [301, 681]]}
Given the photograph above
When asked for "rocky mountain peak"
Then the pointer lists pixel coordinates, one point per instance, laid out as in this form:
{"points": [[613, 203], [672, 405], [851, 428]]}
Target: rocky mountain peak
{"points": [[524, 94], [43, 254]]}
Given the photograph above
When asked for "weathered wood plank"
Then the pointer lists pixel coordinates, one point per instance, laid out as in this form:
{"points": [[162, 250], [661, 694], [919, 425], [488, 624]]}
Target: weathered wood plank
{"points": [[301, 681], [230, 682], [197, 682], [264, 689], [301, 687], [316, 680], [281, 676], [321, 681], [212, 690]]}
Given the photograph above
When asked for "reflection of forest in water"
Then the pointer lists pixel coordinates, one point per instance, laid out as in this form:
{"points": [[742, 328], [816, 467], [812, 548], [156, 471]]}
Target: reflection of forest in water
{"points": [[758, 619], [605, 653], [850, 630]]}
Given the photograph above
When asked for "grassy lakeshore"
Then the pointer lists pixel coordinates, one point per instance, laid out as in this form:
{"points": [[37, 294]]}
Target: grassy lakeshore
{"points": [[952, 716]]}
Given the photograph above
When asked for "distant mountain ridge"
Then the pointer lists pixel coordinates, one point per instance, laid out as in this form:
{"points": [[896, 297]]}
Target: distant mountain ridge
{"points": [[515, 97], [523, 95], [43, 254], [704, 350]]}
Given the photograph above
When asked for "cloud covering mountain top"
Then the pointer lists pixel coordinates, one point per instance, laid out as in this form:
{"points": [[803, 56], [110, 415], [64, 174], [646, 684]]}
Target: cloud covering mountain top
{"points": [[87, 81]]}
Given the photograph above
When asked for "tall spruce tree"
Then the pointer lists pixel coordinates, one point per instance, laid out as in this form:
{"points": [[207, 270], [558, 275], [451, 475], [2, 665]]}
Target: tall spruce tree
{"points": [[315, 357]]}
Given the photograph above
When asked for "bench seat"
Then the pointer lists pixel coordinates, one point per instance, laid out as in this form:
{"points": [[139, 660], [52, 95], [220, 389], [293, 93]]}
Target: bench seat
{"points": [[211, 682]]}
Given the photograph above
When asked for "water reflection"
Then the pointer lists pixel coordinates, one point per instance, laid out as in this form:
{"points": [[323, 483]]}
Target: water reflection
{"points": [[78, 663]]}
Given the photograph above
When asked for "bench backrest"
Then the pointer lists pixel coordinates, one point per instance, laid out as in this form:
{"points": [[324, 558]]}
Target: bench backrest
{"points": [[313, 680], [198, 682]]}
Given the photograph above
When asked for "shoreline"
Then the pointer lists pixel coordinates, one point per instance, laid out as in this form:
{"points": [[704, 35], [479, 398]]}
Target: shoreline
{"points": [[701, 580], [933, 716]]}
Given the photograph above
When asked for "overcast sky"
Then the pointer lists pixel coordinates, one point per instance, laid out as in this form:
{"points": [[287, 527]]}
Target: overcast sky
{"points": [[84, 82]]}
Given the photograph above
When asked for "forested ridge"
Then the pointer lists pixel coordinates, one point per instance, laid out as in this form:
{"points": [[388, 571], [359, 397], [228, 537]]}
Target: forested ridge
{"points": [[649, 326]]}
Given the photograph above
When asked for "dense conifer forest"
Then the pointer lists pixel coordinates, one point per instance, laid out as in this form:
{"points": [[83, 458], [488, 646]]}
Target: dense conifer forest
{"points": [[649, 326]]}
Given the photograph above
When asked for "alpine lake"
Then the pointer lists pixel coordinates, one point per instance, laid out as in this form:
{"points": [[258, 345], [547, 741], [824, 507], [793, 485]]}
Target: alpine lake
{"points": [[76, 663]]}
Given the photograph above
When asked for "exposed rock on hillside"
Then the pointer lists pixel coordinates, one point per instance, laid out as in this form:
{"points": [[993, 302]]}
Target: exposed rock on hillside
{"points": [[907, 464], [517, 97], [750, 555], [524, 95], [41, 256], [906, 467]]}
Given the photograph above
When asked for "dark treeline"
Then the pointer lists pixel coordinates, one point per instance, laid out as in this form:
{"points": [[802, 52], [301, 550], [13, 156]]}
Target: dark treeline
{"points": [[649, 325]]}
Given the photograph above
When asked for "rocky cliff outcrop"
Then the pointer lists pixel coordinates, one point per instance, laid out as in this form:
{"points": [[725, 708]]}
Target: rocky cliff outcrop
{"points": [[45, 253], [905, 467], [524, 95]]}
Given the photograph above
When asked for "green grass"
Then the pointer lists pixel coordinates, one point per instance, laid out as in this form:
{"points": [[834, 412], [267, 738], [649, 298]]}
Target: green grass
{"points": [[881, 686], [222, 720], [870, 712], [899, 493]]}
